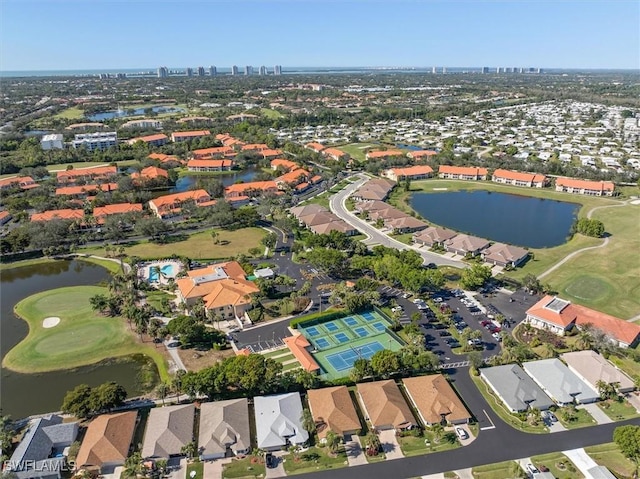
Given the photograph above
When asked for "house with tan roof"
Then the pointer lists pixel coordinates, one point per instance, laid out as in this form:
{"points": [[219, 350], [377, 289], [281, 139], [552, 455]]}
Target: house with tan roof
{"points": [[179, 136], [433, 235], [107, 441], [585, 187], [465, 244], [462, 172], [518, 178], [96, 174], [384, 155], [63, 214], [418, 172], [170, 205], [384, 406], [209, 165], [168, 430], [435, 400], [101, 212], [224, 428], [158, 139], [222, 286], [559, 316], [592, 368], [333, 410], [504, 255], [376, 189], [298, 345]]}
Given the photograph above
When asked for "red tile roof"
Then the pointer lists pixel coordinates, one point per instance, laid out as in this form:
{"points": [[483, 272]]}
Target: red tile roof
{"points": [[208, 163], [462, 170], [293, 177], [383, 154], [215, 151], [151, 172], [234, 190], [422, 153], [254, 147], [287, 164], [315, 146], [24, 182], [102, 171], [297, 345], [334, 152], [189, 134], [149, 138], [64, 214], [116, 209], [85, 189], [412, 170], [519, 176], [585, 184]]}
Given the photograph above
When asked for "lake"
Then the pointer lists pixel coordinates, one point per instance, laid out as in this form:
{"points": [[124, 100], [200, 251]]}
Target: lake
{"points": [[109, 115], [514, 219], [25, 394], [187, 182]]}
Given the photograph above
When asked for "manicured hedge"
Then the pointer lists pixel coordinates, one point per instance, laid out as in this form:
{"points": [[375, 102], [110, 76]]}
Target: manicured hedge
{"points": [[318, 317]]}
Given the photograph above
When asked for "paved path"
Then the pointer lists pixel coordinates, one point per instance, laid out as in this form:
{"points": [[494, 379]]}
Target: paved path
{"points": [[581, 460], [390, 445], [175, 357], [355, 455], [596, 413], [277, 471], [337, 203], [464, 473], [213, 469]]}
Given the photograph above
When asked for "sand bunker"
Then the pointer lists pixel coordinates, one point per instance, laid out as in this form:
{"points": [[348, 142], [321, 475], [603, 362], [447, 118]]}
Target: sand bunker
{"points": [[635, 202], [50, 322]]}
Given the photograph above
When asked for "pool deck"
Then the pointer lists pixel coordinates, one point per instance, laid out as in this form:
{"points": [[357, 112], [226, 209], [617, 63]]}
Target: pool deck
{"points": [[144, 271]]}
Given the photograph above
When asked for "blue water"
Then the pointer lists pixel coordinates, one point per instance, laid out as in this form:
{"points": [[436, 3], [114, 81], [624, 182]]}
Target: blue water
{"points": [[350, 321], [379, 327], [187, 182], [108, 115], [408, 147], [514, 219], [167, 270], [369, 316]]}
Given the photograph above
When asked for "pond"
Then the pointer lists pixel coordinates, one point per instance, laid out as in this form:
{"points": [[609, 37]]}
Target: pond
{"points": [[109, 115], [187, 182], [25, 394], [514, 219]]}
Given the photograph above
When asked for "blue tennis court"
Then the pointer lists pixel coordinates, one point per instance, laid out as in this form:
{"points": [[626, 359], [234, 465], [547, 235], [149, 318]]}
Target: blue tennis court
{"points": [[344, 359], [331, 327], [312, 331], [362, 332], [350, 321], [341, 337], [369, 316], [322, 343], [379, 327]]}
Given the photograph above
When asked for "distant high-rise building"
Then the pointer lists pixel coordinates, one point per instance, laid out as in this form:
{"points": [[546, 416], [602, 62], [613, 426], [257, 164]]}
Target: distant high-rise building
{"points": [[163, 72], [200, 71], [277, 70], [434, 70], [497, 69], [213, 71], [539, 70], [234, 70], [263, 70], [248, 70], [444, 70], [485, 69], [189, 72]]}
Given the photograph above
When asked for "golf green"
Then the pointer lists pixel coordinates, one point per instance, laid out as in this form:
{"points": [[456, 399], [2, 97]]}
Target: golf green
{"points": [[81, 337], [588, 288]]}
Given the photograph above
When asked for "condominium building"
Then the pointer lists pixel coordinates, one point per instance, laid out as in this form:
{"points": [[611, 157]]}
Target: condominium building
{"points": [[213, 71], [95, 141], [277, 70], [52, 142], [234, 70]]}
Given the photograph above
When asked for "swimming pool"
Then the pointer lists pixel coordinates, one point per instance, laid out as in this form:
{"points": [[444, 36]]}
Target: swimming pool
{"points": [[165, 270]]}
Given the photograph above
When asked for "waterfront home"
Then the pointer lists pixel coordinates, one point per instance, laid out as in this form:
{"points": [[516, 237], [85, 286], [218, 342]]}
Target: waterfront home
{"points": [[168, 430], [518, 178], [376, 189], [463, 244], [421, 155], [158, 139], [224, 428], [501, 254], [170, 205], [433, 235], [585, 187], [418, 172], [286, 165], [279, 421], [384, 155], [209, 165], [150, 173], [462, 172], [215, 152], [435, 400], [253, 188]]}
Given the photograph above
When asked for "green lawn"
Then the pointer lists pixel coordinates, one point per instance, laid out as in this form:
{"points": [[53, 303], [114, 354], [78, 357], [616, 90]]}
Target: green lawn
{"points": [[154, 298], [618, 410], [582, 419], [82, 337], [240, 468], [414, 446], [627, 364], [604, 279], [196, 466], [558, 464], [500, 409], [270, 113], [196, 246], [609, 455], [357, 151], [308, 462], [73, 113], [499, 470]]}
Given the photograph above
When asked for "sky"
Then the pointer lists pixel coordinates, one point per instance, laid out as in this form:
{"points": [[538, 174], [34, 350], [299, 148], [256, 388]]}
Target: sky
{"points": [[105, 34]]}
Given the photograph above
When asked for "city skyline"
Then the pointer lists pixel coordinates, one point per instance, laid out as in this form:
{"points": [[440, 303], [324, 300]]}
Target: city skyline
{"points": [[566, 34]]}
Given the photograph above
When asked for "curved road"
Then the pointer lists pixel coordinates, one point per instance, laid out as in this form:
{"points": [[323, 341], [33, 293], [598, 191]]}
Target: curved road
{"points": [[337, 203], [496, 442]]}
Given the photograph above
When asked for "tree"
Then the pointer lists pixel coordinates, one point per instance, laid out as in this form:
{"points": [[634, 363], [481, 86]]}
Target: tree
{"points": [[590, 227], [163, 390], [77, 401], [214, 237], [190, 450], [133, 465], [607, 390], [438, 431], [385, 362], [475, 277], [107, 396], [99, 302], [6, 435], [269, 240], [372, 444], [332, 441], [627, 438], [360, 370], [307, 421], [531, 283]]}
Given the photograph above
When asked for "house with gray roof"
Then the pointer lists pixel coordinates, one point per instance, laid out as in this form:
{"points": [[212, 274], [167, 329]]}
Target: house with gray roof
{"points": [[168, 430], [41, 453], [279, 421], [559, 382], [600, 472], [504, 255], [515, 389], [224, 428], [465, 244]]}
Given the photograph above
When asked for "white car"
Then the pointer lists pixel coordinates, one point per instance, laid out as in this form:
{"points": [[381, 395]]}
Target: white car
{"points": [[396, 309], [437, 300], [461, 433], [531, 469]]}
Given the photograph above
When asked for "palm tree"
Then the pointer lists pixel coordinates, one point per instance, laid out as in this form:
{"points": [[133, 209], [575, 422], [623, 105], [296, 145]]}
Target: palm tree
{"points": [[99, 302], [308, 423], [333, 441], [133, 465], [372, 444], [438, 431], [163, 390]]}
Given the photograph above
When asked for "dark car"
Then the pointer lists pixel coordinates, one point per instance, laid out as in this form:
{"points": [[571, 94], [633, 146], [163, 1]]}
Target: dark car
{"points": [[270, 460], [444, 333], [431, 266]]}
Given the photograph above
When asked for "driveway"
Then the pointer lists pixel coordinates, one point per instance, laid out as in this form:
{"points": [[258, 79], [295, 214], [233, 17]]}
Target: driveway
{"points": [[390, 444], [355, 455], [277, 471], [213, 469], [337, 203], [597, 413]]}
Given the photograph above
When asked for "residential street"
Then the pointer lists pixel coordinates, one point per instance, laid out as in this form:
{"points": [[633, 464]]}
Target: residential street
{"points": [[375, 236]]}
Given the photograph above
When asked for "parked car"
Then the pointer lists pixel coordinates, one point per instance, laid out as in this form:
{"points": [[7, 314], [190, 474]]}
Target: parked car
{"points": [[497, 337], [531, 469], [270, 460], [437, 299], [461, 433]]}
